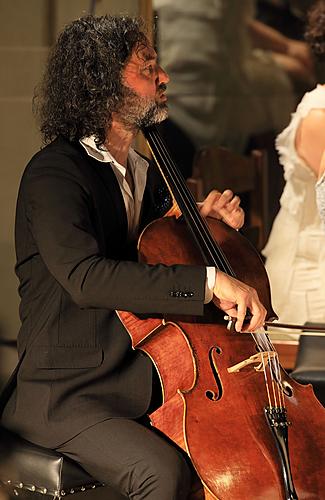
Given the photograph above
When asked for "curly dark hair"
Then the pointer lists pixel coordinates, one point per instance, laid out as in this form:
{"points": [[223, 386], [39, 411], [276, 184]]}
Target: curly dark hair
{"points": [[315, 30], [82, 84]]}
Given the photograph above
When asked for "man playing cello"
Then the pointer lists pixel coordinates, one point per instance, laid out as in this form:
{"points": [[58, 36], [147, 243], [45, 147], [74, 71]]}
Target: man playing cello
{"points": [[82, 202]]}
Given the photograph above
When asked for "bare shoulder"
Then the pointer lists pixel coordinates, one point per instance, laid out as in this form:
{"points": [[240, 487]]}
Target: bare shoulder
{"points": [[314, 118], [310, 138]]}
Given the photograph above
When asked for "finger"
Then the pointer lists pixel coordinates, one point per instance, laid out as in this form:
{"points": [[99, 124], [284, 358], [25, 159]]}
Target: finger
{"points": [[241, 313], [258, 317], [231, 313], [236, 213], [234, 203], [227, 306], [210, 202], [227, 217], [226, 197], [235, 218]]}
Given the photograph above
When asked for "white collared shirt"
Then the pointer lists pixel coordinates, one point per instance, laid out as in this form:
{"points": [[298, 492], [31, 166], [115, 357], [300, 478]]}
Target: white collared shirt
{"points": [[138, 169]]}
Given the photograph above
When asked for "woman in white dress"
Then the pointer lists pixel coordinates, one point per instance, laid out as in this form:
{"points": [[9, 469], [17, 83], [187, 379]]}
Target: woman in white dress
{"points": [[295, 252]]}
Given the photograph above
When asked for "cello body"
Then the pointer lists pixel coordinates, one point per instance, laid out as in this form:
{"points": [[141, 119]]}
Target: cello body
{"points": [[214, 411]]}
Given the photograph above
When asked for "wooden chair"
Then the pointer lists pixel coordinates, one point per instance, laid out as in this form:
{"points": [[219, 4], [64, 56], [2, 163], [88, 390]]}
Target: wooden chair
{"points": [[310, 363], [195, 185], [219, 168]]}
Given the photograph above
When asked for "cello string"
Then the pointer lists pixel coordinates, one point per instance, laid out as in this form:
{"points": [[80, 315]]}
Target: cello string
{"points": [[281, 392], [202, 230], [260, 340], [202, 234], [271, 371], [279, 380], [266, 383], [276, 368], [271, 376], [191, 207], [272, 348], [275, 375], [197, 220], [263, 344]]}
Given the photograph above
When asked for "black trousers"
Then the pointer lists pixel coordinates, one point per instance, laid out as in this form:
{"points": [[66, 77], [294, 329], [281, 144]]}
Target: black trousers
{"points": [[131, 458]]}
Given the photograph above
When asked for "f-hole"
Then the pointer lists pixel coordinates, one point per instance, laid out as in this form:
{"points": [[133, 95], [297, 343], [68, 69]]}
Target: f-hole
{"points": [[214, 395], [287, 389]]}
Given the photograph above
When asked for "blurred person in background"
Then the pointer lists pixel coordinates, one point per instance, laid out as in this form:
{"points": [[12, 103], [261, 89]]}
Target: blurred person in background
{"points": [[316, 38], [295, 252], [231, 75]]}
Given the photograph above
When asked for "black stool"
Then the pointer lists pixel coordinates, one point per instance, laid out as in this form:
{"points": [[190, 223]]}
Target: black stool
{"points": [[310, 364], [28, 468]]}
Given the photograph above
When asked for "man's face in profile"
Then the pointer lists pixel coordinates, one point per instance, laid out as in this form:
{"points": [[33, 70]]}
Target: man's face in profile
{"points": [[145, 101]]}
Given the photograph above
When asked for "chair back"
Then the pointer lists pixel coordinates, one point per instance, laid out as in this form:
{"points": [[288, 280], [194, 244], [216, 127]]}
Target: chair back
{"points": [[219, 168], [310, 363]]}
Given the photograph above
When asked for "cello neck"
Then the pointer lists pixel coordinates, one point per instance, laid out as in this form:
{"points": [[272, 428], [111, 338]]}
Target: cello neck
{"points": [[211, 252]]}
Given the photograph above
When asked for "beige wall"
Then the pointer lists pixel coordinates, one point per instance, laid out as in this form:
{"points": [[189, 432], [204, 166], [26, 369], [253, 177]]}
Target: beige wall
{"points": [[27, 28]]}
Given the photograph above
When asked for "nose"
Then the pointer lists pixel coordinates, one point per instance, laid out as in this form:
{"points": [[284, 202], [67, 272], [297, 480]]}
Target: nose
{"points": [[162, 75]]}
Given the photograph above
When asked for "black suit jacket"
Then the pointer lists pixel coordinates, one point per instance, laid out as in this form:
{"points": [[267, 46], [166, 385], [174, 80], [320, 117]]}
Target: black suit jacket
{"points": [[75, 268]]}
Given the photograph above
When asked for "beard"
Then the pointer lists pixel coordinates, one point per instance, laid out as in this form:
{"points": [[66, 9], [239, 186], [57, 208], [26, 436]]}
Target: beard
{"points": [[138, 111]]}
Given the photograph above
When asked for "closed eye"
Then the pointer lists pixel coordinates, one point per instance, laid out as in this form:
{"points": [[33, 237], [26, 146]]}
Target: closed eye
{"points": [[149, 68]]}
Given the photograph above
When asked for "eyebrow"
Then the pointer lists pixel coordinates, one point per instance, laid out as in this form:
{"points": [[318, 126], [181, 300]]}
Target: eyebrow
{"points": [[147, 53], [150, 56]]}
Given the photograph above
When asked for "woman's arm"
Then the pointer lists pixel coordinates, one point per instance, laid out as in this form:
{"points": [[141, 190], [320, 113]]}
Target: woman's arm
{"points": [[293, 55]]}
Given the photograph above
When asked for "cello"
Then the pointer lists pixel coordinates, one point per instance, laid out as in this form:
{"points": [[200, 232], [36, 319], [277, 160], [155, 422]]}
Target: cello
{"points": [[250, 431]]}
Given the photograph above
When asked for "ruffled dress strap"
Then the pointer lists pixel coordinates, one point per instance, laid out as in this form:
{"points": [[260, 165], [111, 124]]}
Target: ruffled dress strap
{"points": [[320, 193], [285, 141]]}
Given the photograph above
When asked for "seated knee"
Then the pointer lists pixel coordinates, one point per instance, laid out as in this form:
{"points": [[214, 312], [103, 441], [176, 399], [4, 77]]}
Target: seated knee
{"points": [[165, 478]]}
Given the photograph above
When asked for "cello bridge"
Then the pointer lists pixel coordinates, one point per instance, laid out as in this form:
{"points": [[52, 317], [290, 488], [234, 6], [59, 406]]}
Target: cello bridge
{"points": [[261, 359]]}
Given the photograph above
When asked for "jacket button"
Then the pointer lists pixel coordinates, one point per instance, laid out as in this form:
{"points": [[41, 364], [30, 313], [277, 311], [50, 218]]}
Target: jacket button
{"points": [[179, 293]]}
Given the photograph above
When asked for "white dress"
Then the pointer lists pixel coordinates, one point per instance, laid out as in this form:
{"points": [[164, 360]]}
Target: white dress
{"points": [[320, 197], [295, 252]]}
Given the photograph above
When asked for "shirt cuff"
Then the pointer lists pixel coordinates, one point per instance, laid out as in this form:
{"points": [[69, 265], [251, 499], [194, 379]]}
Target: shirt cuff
{"points": [[210, 281]]}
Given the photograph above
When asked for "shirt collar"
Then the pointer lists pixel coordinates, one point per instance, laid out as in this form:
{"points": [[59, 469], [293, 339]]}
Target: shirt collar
{"points": [[103, 155]]}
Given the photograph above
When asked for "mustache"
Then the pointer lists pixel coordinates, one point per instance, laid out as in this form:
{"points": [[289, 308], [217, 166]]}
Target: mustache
{"points": [[162, 87]]}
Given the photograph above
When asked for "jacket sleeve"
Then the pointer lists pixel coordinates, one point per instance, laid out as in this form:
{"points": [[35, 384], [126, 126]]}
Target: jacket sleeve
{"points": [[59, 212]]}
